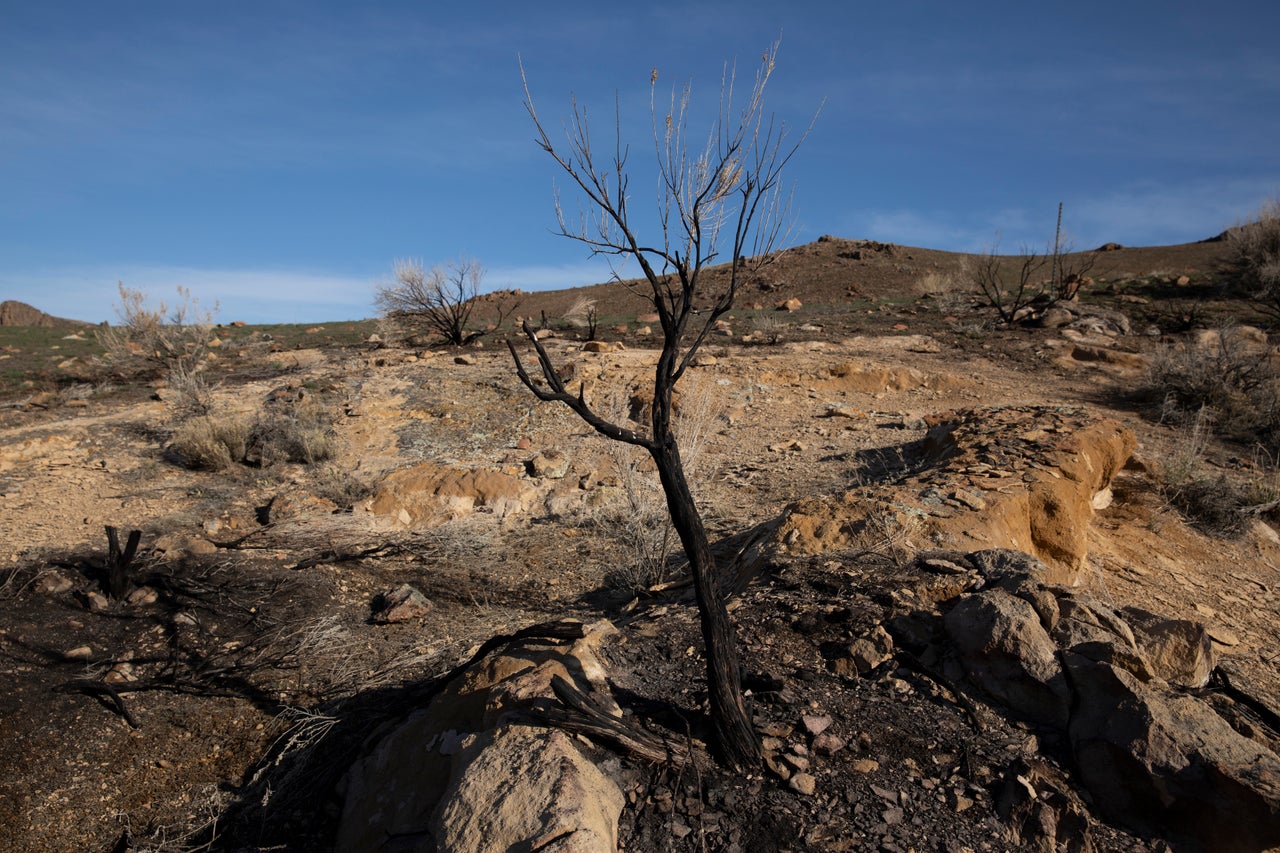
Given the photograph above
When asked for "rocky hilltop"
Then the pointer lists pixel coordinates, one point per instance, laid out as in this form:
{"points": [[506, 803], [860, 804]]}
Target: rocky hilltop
{"points": [[14, 313]]}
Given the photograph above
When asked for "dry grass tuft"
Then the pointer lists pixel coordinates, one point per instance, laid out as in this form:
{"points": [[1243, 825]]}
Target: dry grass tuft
{"points": [[303, 435], [1255, 257], [209, 444], [634, 517]]}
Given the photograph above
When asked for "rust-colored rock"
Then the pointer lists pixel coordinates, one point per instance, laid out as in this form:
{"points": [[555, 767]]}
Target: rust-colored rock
{"points": [[427, 495]]}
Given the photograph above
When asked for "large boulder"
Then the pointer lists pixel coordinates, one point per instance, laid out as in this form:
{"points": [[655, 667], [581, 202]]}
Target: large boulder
{"points": [[1178, 650], [1164, 761], [522, 788], [467, 773], [1007, 652]]}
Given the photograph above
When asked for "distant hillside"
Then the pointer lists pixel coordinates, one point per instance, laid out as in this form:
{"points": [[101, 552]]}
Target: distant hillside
{"points": [[835, 271], [14, 313]]}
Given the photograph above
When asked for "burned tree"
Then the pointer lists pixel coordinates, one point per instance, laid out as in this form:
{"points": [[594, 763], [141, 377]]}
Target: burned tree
{"points": [[720, 203], [440, 298]]}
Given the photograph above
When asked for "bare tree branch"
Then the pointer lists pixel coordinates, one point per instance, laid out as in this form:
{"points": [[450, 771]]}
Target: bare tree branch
{"points": [[558, 394]]}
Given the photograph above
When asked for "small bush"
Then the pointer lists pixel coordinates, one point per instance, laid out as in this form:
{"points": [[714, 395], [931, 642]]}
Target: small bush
{"points": [[209, 444], [584, 316], [933, 284], [439, 299], [767, 329], [1254, 257], [158, 339], [303, 435], [191, 389], [1215, 503], [1234, 383], [342, 487]]}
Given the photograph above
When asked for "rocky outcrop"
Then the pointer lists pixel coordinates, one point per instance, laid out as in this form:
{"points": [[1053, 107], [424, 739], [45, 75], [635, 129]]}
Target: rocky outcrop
{"points": [[1151, 755], [1006, 649], [1026, 478], [471, 773], [428, 495], [14, 313], [1158, 759]]}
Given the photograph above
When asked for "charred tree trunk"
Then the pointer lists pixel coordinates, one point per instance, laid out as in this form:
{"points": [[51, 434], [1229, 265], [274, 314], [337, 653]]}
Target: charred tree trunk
{"points": [[733, 184], [118, 562], [735, 740]]}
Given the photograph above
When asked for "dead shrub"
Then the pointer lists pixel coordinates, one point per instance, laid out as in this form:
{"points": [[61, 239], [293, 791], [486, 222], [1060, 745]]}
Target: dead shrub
{"points": [[766, 329], [191, 389], [209, 444], [1213, 503], [342, 487], [887, 535], [1254, 257], [934, 284], [303, 435], [583, 315], [157, 339], [1236, 385], [439, 300]]}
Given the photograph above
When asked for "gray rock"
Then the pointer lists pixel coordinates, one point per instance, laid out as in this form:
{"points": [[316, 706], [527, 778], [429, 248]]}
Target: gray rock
{"points": [[1056, 318], [551, 464], [1178, 650], [1007, 652], [1161, 761]]}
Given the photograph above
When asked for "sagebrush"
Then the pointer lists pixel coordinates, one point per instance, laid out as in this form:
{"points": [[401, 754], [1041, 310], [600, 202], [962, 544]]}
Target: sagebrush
{"points": [[160, 341], [1254, 257], [1230, 375]]}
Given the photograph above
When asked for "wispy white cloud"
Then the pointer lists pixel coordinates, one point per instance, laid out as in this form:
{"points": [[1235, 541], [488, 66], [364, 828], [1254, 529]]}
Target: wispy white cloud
{"points": [[548, 276], [970, 231], [254, 296], [1138, 215], [1158, 213], [258, 296]]}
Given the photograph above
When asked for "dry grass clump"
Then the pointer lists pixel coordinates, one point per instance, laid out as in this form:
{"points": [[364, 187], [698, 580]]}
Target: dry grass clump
{"points": [[583, 315], [343, 487], [303, 435], [766, 329], [1214, 502], [209, 443], [158, 337], [933, 284], [1229, 385], [159, 341], [887, 535], [635, 517]]}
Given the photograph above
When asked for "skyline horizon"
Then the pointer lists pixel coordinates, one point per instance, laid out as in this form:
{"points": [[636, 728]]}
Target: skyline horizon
{"points": [[279, 157]]}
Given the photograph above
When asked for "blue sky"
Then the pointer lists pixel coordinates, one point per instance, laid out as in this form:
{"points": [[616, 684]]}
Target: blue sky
{"points": [[277, 157]]}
